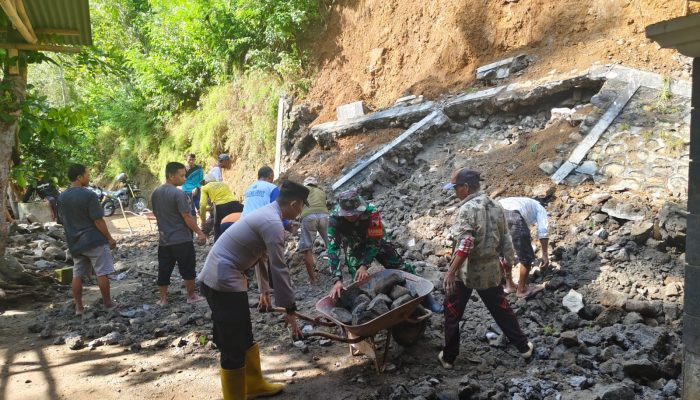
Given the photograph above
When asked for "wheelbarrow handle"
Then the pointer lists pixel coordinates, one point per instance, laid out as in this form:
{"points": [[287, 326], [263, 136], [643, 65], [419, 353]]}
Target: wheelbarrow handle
{"points": [[337, 338], [320, 321]]}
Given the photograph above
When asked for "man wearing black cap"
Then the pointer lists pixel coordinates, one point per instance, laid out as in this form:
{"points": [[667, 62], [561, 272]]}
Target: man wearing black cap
{"points": [[481, 235], [224, 285]]}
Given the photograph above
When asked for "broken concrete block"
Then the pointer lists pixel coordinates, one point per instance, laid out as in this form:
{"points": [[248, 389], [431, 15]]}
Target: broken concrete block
{"points": [[385, 284], [341, 315], [503, 68], [379, 305], [363, 317], [360, 308], [398, 291], [401, 301], [362, 298], [350, 111], [349, 297]]}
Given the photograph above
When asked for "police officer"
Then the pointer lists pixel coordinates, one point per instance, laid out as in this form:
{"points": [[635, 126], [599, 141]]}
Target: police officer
{"points": [[224, 285]]}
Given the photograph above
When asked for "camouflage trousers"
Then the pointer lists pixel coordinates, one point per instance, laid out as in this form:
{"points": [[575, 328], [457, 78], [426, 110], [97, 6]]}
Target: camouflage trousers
{"points": [[387, 256]]}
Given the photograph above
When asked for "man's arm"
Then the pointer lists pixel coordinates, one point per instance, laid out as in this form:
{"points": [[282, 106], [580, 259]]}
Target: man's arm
{"points": [[192, 224], [101, 226], [203, 204], [462, 250]]}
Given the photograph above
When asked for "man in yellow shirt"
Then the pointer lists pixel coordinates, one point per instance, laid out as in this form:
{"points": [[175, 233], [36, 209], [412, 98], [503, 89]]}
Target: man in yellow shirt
{"points": [[223, 200]]}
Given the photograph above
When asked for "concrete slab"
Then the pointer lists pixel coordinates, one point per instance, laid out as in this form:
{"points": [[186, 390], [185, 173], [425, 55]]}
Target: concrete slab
{"points": [[433, 118], [580, 152], [350, 111]]}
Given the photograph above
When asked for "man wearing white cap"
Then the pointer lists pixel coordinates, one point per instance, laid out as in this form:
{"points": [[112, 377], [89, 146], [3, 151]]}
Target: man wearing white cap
{"points": [[314, 219]]}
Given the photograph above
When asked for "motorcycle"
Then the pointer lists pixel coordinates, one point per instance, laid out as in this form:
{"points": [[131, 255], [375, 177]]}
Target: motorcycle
{"points": [[129, 195]]}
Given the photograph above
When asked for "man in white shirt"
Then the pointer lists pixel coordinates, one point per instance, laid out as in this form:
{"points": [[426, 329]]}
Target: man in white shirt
{"points": [[521, 213], [224, 163]]}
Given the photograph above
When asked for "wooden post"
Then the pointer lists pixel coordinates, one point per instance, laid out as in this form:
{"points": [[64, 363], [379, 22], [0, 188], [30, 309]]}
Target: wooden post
{"points": [[278, 140]]}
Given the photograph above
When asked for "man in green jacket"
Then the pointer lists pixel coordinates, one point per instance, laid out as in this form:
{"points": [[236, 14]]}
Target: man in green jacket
{"points": [[356, 226], [314, 219]]}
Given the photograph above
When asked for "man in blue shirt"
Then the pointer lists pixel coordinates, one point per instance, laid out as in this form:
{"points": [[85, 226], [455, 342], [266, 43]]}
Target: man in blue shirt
{"points": [[194, 174], [262, 192]]}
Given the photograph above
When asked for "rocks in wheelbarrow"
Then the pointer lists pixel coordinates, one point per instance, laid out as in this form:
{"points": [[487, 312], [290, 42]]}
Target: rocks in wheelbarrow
{"points": [[341, 315], [401, 300], [387, 283], [379, 305], [398, 291], [362, 317], [351, 297]]}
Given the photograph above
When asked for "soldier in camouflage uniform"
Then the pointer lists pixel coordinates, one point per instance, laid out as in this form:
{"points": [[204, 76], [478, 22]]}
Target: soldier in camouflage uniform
{"points": [[356, 226], [481, 235]]}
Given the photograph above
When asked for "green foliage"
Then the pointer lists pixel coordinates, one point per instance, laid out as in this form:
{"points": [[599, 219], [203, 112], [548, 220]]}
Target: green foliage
{"points": [[50, 139], [169, 76]]}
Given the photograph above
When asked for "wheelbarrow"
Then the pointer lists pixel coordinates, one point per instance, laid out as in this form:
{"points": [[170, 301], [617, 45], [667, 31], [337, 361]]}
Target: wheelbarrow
{"points": [[403, 323]]}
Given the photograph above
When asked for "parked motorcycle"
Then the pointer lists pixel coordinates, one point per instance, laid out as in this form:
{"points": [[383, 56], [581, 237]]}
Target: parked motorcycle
{"points": [[129, 195]]}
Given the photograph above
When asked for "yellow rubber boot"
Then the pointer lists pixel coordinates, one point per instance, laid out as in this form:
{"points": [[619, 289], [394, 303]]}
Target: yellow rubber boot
{"points": [[233, 383], [256, 385]]}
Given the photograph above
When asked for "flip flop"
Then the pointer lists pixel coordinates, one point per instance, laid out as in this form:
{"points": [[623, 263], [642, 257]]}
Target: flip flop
{"points": [[532, 291], [195, 300], [508, 291], [79, 313], [112, 307]]}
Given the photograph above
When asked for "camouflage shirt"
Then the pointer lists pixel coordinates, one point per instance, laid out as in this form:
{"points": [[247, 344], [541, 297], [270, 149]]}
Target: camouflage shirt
{"points": [[361, 239], [481, 234]]}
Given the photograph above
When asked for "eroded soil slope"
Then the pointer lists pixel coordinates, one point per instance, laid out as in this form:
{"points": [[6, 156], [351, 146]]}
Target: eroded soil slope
{"points": [[382, 50]]}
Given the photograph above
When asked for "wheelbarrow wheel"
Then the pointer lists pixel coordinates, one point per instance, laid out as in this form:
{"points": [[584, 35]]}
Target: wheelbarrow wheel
{"points": [[407, 333]]}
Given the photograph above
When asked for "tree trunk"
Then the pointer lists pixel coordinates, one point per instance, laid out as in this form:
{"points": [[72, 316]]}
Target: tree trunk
{"points": [[17, 88]]}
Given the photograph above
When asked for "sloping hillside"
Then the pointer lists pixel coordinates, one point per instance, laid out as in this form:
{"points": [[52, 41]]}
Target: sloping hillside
{"points": [[381, 50]]}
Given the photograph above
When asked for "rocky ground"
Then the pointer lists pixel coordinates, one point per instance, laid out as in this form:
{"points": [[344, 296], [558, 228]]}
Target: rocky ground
{"points": [[607, 326]]}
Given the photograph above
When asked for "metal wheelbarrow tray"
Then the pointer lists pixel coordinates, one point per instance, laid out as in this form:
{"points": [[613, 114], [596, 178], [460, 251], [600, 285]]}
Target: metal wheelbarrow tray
{"points": [[361, 338]]}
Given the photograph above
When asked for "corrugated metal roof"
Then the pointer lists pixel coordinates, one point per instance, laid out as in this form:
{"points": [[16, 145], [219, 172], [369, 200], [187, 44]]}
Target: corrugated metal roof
{"points": [[61, 14]]}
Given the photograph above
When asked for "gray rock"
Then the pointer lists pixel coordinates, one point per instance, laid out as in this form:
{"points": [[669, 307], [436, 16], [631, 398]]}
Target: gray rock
{"points": [[569, 339], [548, 167], [43, 264], [586, 254], [570, 320], [398, 291], [597, 198], [54, 253], [362, 317], [112, 338], [610, 316], [644, 308], [632, 318], [387, 283], [616, 391], [379, 305], [74, 341], [642, 369], [641, 231], [341, 315], [670, 388], [401, 301], [620, 210]]}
